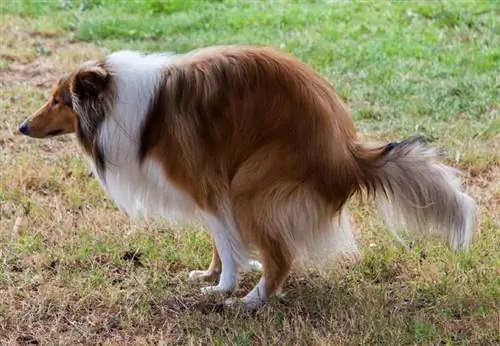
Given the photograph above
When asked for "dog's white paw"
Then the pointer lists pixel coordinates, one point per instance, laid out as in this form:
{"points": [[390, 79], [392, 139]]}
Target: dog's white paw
{"points": [[246, 304], [202, 274], [255, 265], [216, 289], [232, 302]]}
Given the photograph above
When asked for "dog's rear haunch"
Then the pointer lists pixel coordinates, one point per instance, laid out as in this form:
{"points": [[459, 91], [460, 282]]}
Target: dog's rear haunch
{"points": [[255, 143]]}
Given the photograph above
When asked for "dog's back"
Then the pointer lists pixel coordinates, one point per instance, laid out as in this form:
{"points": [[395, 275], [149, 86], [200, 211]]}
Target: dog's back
{"points": [[230, 105]]}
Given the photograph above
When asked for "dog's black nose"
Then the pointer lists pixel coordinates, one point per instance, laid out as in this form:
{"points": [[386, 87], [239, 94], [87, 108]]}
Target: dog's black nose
{"points": [[23, 128]]}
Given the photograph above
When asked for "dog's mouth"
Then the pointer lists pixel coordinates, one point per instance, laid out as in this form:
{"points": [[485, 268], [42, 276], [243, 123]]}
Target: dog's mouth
{"points": [[54, 133]]}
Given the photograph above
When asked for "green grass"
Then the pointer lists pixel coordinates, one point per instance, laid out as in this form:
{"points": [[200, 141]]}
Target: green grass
{"points": [[67, 274]]}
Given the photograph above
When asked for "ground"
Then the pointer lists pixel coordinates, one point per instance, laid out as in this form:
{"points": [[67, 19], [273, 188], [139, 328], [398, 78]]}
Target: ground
{"points": [[75, 270]]}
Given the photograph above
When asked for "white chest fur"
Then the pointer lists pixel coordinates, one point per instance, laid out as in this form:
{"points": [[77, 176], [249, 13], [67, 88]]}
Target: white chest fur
{"points": [[145, 192], [140, 190]]}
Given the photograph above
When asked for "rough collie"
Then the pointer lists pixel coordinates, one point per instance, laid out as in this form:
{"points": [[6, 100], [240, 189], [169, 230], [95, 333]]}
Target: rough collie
{"points": [[255, 143]]}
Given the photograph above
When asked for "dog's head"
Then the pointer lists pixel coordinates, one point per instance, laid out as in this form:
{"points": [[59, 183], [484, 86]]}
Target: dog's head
{"points": [[68, 109]]}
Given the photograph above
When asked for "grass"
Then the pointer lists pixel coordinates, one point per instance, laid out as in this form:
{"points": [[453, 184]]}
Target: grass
{"points": [[75, 270]]}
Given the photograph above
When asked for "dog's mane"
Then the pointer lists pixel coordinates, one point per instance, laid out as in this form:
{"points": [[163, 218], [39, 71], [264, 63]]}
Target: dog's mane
{"points": [[91, 112]]}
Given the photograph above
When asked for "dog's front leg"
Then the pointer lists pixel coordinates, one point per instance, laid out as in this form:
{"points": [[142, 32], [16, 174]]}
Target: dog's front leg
{"points": [[229, 271]]}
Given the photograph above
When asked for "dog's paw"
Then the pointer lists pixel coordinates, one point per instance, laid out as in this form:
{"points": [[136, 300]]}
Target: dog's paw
{"points": [[202, 275], [255, 266], [216, 289], [247, 305], [232, 302]]}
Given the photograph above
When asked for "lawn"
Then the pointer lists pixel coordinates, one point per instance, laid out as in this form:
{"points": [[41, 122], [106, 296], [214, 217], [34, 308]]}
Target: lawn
{"points": [[74, 270]]}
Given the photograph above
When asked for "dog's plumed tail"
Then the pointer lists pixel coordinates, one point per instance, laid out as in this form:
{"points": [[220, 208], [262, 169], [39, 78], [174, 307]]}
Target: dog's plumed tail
{"points": [[416, 193]]}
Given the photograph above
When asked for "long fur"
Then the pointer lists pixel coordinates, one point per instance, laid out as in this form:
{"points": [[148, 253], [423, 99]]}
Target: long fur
{"points": [[418, 194], [261, 147]]}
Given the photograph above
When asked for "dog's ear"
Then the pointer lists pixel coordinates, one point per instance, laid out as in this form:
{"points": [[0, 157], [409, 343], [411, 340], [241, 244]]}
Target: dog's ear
{"points": [[66, 97], [63, 89], [90, 81]]}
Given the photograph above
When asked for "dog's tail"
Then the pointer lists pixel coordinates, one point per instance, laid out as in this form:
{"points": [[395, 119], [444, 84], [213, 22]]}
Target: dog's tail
{"points": [[416, 193]]}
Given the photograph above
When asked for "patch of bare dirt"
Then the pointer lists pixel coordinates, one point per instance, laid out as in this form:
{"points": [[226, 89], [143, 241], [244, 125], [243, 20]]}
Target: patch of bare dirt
{"points": [[484, 186], [43, 71], [482, 178], [38, 58]]}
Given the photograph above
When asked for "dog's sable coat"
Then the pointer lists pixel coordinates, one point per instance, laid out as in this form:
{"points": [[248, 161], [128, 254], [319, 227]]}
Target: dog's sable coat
{"points": [[256, 143]]}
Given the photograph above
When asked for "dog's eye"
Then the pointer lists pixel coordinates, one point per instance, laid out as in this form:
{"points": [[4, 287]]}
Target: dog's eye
{"points": [[55, 102]]}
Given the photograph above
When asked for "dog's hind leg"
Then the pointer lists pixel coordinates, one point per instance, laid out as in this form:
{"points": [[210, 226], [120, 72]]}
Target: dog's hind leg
{"points": [[276, 263], [278, 221]]}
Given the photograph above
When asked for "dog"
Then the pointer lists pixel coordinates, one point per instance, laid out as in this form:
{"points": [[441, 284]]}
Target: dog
{"points": [[255, 143]]}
